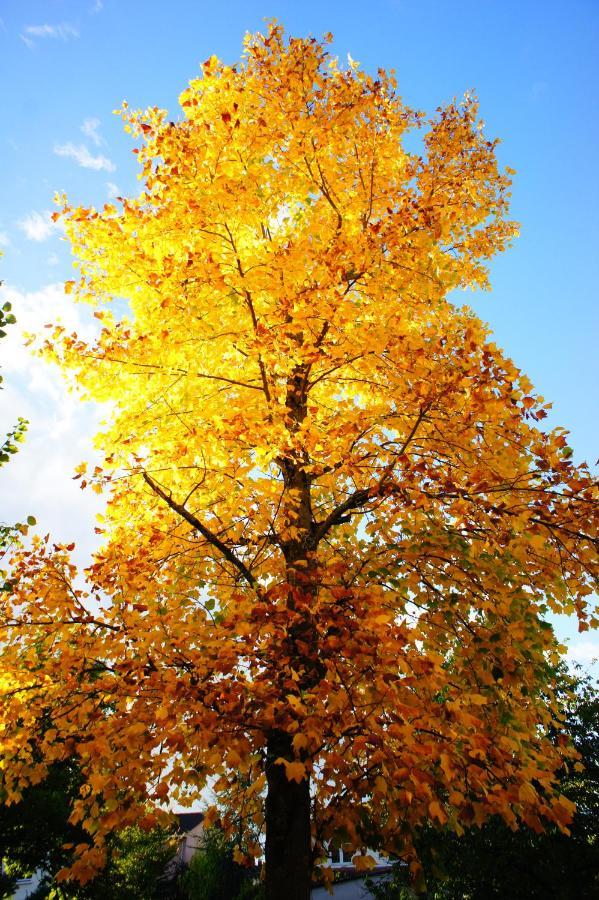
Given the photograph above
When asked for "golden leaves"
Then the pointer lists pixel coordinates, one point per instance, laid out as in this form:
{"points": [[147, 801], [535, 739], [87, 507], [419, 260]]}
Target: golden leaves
{"points": [[331, 511], [437, 812], [295, 771], [527, 794], [299, 742], [363, 862]]}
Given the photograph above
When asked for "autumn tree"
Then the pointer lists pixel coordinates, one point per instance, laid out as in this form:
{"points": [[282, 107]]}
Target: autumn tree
{"points": [[334, 526]]}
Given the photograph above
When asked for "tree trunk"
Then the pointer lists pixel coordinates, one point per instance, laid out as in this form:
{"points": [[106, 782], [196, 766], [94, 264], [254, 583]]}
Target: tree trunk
{"points": [[288, 843], [288, 811]]}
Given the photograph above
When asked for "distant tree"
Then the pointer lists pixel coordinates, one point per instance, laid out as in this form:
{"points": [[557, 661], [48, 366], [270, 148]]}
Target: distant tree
{"points": [[136, 870], [36, 834], [495, 862], [33, 832]]}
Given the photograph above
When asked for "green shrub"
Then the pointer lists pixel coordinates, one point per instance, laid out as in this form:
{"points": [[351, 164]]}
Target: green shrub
{"points": [[214, 875]]}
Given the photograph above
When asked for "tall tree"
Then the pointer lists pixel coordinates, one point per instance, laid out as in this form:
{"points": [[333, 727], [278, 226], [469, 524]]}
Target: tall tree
{"points": [[334, 527]]}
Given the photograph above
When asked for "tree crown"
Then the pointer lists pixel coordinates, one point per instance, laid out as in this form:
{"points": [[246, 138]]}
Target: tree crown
{"points": [[332, 514]]}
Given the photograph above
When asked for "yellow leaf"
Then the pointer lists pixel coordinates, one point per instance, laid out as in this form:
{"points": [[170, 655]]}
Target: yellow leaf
{"points": [[363, 862], [477, 699], [437, 812], [295, 771], [527, 793], [380, 785], [300, 742]]}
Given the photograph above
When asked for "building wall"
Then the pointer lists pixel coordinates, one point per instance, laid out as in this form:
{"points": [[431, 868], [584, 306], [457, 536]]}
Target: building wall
{"points": [[190, 842], [26, 886]]}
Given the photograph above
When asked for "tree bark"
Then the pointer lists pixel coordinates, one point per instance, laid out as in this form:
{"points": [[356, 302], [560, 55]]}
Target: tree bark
{"points": [[288, 841], [288, 812]]}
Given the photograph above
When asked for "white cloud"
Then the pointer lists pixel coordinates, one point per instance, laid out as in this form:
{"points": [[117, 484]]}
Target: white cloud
{"points": [[91, 129], [97, 7], [83, 157], [39, 226], [33, 311], [64, 32], [4, 239], [39, 479], [53, 260], [113, 190], [584, 650]]}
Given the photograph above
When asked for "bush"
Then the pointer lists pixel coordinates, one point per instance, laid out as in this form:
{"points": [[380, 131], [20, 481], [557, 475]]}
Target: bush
{"points": [[214, 875]]}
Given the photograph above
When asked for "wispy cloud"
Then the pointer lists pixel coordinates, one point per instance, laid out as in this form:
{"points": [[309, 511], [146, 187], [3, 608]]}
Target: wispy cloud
{"points": [[584, 650], [53, 260], [91, 129], [40, 477], [64, 32], [97, 7], [4, 239], [84, 158], [38, 226], [113, 190]]}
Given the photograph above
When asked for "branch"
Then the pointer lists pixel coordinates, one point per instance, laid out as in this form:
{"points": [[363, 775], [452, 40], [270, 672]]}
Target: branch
{"points": [[354, 501], [203, 530], [181, 372], [250, 304], [363, 495]]}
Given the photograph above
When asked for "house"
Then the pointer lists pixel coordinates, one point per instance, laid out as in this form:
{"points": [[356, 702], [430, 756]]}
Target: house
{"points": [[191, 831], [25, 887], [342, 859]]}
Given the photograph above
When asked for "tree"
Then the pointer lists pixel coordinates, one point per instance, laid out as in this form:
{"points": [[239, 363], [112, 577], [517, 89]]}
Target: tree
{"points": [[36, 834], [213, 874], [334, 525], [137, 867], [33, 832], [494, 861]]}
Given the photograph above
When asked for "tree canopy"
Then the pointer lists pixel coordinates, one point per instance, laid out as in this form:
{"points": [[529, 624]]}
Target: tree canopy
{"points": [[334, 525]]}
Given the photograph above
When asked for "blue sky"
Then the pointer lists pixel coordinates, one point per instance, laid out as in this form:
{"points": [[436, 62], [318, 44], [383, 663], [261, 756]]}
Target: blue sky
{"points": [[67, 64]]}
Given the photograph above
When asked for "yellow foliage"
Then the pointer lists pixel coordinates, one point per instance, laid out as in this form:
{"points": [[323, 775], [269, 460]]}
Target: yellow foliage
{"points": [[334, 522], [363, 862]]}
